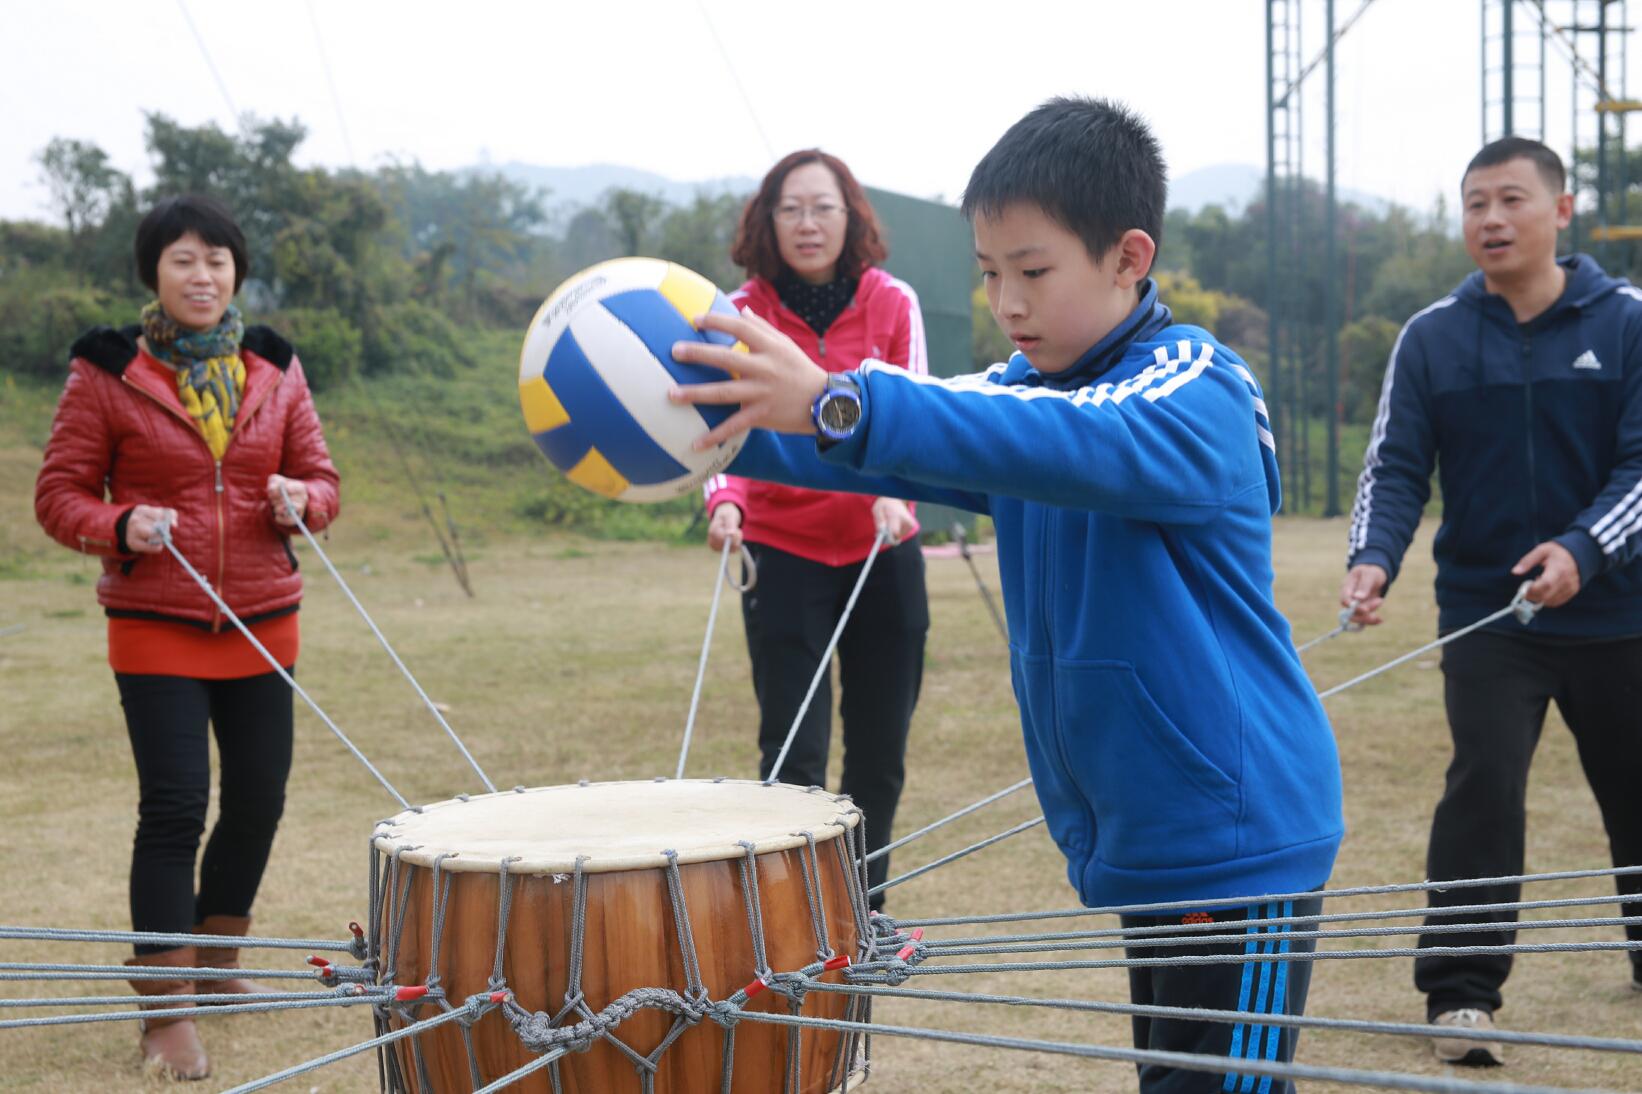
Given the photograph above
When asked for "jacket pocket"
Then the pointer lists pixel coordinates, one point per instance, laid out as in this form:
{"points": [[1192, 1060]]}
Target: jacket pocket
{"points": [[1158, 801], [1065, 811]]}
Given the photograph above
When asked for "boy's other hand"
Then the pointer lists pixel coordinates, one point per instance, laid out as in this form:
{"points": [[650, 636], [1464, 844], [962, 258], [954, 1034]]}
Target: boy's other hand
{"points": [[1364, 587], [1558, 579], [725, 525], [775, 382], [893, 516]]}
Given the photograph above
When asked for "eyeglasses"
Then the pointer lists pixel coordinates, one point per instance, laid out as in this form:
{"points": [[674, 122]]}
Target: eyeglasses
{"points": [[821, 213]]}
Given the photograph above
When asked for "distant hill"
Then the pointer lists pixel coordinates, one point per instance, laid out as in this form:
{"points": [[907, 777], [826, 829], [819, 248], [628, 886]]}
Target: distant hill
{"points": [[1235, 186], [583, 185]]}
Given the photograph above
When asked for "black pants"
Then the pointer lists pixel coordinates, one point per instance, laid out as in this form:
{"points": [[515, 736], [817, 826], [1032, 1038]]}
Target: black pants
{"points": [[1263, 987], [1497, 688], [790, 616], [166, 718]]}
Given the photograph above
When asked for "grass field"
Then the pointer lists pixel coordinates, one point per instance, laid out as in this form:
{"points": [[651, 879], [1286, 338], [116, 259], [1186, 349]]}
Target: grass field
{"points": [[576, 659]]}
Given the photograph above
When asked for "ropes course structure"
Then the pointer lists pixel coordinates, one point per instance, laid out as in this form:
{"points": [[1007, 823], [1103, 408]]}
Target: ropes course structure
{"points": [[715, 935]]}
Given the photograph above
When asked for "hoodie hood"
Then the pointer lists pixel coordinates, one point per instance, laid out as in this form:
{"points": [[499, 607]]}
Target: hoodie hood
{"points": [[1587, 284], [1149, 317]]}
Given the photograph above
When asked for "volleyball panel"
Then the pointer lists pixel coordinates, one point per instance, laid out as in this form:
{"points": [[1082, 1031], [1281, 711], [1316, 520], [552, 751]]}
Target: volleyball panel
{"points": [[610, 408]]}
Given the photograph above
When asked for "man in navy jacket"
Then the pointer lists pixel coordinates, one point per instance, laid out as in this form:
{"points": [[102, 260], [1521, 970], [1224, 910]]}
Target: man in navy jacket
{"points": [[1524, 389]]}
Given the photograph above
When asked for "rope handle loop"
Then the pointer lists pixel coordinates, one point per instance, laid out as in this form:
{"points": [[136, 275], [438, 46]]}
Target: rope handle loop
{"points": [[1523, 608]]}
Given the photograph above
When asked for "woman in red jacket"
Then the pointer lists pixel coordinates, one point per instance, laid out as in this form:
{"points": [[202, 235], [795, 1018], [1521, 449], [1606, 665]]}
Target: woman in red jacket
{"points": [[194, 422], [811, 243]]}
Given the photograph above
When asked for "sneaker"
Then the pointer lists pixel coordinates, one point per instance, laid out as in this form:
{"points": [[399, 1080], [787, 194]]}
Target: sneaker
{"points": [[1462, 1050], [1636, 977]]}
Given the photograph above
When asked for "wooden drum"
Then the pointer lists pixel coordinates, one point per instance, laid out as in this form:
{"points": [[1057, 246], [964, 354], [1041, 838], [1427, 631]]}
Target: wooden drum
{"points": [[765, 876]]}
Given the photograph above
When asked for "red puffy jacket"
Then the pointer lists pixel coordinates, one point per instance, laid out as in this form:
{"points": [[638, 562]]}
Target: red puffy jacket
{"points": [[121, 438], [883, 323]]}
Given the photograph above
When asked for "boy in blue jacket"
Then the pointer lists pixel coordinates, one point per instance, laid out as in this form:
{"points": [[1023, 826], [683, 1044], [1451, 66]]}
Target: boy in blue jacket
{"points": [[1127, 464], [1523, 389]]}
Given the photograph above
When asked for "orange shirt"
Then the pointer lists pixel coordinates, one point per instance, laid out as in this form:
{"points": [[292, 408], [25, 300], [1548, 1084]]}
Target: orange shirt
{"points": [[158, 647]]}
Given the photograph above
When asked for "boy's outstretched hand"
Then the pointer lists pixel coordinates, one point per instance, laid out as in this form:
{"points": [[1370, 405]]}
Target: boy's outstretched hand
{"points": [[775, 382]]}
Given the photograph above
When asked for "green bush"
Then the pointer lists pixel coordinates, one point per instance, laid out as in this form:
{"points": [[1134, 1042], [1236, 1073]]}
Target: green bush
{"points": [[330, 347], [38, 323], [413, 338]]}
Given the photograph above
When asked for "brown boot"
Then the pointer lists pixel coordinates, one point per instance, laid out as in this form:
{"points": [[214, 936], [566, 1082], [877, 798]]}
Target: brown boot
{"points": [[224, 957], [171, 1045]]}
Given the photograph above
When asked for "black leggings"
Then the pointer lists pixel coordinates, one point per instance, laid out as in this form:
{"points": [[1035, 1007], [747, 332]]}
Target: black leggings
{"points": [[790, 615], [166, 718]]}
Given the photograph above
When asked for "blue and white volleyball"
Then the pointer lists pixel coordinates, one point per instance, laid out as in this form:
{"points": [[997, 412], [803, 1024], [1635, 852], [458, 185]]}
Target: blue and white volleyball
{"points": [[594, 373]]}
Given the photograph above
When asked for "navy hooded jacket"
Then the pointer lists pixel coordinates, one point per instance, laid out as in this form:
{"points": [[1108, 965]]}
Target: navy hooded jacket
{"points": [[1535, 430], [1177, 748]]}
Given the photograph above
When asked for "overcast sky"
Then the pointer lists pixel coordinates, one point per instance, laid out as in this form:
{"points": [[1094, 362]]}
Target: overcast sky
{"points": [[911, 93]]}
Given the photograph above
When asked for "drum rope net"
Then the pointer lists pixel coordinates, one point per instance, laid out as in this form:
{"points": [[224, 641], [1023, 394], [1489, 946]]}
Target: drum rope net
{"points": [[891, 951]]}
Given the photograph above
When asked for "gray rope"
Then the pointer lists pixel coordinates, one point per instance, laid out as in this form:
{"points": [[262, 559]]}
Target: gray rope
{"points": [[537, 1032], [184, 1012], [956, 855], [984, 946], [1279, 921], [694, 988], [433, 709], [154, 938], [412, 1030], [869, 972], [1238, 901], [810, 864], [203, 997], [163, 530], [504, 910], [1298, 1021], [1180, 1060], [748, 865], [522, 1073], [944, 821], [962, 540], [17, 970], [826, 656], [15, 628], [706, 646], [1346, 627], [1520, 606]]}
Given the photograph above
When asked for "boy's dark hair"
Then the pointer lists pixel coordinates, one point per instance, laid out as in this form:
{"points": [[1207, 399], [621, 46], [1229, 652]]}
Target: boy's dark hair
{"points": [[174, 218], [755, 248], [1092, 165], [1507, 149]]}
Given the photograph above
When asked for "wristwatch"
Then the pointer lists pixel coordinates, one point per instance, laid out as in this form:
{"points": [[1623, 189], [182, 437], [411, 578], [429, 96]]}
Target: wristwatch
{"points": [[837, 410]]}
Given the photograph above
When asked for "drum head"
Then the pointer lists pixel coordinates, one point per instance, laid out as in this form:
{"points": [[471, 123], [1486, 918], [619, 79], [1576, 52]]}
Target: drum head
{"points": [[616, 825]]}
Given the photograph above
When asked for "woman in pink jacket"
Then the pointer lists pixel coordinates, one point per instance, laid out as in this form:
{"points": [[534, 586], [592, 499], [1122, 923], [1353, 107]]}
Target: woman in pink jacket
{"points": [[811, 243]]}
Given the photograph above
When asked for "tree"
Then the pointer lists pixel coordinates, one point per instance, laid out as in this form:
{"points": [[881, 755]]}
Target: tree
{"points": [[632, 216], [699, 236], [85, 188]]}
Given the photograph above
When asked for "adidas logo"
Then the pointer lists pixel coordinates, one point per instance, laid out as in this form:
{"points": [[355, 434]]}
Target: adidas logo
{"points": [[1587, 360]]}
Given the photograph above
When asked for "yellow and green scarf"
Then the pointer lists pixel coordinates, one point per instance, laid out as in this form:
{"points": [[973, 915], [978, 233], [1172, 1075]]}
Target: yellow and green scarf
{"points": [[210, 374]]}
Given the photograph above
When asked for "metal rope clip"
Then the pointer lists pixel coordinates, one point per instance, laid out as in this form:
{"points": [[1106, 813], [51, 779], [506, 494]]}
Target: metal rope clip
{"points": [[1346, 625], [1523, 608]]}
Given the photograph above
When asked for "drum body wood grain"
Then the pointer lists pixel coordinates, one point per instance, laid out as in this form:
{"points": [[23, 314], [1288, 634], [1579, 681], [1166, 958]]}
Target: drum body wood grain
{"points": [[630, 937]]}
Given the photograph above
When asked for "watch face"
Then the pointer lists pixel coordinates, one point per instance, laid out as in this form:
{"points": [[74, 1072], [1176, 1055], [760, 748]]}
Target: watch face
{"points": [[839, 413]]}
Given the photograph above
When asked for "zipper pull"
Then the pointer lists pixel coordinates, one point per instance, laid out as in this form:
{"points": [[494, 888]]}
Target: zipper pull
{"points": [[219, 476], [820, 345]]}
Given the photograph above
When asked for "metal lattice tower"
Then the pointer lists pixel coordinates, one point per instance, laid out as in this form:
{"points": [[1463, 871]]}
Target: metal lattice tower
{"points": [[1514, 35]]}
